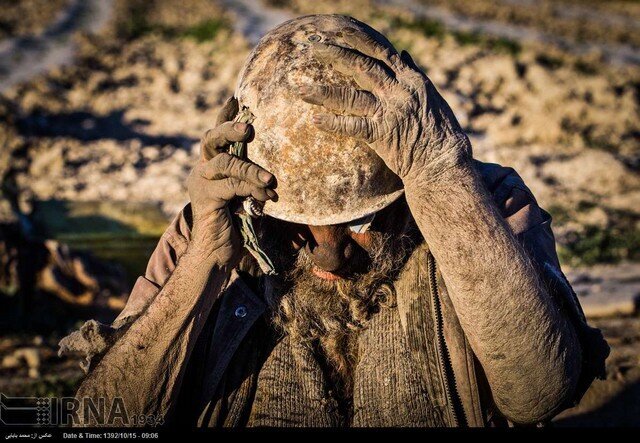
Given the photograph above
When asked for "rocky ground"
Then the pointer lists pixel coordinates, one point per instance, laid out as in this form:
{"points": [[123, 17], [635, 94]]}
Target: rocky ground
{"points": [[595, 22], [28, 17], [123, 122]]}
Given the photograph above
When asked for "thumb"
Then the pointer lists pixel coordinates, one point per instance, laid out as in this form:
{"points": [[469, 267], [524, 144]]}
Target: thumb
{"points": [[228, 111]]}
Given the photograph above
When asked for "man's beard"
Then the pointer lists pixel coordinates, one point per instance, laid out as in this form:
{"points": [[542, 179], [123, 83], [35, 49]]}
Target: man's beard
{"points": [[325, 316]]}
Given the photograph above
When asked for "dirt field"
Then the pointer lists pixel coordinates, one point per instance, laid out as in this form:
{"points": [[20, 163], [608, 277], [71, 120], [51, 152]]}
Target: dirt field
{"points": [[28, 17], [550, 88]]}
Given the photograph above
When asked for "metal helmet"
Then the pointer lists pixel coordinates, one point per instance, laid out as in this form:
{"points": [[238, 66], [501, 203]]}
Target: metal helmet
{"points": [[323, 178]]}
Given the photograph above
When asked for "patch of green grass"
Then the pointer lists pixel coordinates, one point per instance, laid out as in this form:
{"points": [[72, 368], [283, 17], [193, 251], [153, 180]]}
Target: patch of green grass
{"points": [[428, 28], [435, 29], [619, 240], [505, 45], [614, 243], [468, 38], [135, 23], [206, 30], [598, 245]]}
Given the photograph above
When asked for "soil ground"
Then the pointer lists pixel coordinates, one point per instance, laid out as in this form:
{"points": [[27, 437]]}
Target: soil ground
{"points": [[122, 120]]}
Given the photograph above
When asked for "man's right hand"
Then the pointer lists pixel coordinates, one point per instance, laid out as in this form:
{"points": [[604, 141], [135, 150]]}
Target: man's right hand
{"points": [[215, 181]]}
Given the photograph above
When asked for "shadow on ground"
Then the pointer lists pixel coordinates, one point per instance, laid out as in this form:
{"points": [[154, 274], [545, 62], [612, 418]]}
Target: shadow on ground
{"points": [[623, 409], [85, 126]]}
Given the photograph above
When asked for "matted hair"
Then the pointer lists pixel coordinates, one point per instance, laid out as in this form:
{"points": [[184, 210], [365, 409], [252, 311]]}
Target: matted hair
{"points": [[326, 316]]}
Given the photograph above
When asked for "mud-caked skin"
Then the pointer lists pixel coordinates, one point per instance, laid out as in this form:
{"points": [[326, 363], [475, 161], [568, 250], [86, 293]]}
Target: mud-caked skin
{"points": [[216, 180], [397, 110], [150, 358], [527, 348], [524, 342]]}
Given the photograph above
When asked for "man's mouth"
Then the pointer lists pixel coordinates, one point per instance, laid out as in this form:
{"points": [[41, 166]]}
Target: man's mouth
{"points": [[325, 275]]}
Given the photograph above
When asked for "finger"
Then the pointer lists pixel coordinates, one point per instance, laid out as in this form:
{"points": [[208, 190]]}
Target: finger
{"points": [[372, 47], [341, 100], [222, 136], [226, 165], [228, 111], [245, 189], [408, 60], [359, 127], [231, 187], [369, 73]]}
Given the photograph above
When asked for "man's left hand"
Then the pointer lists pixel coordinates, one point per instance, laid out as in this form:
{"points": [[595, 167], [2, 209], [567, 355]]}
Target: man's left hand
{"points": [[397, 110]]}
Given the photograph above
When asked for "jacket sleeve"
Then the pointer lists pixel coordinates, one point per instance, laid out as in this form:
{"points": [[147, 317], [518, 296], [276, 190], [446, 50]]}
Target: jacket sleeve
{"points": [[94, 339], [532, 226]]}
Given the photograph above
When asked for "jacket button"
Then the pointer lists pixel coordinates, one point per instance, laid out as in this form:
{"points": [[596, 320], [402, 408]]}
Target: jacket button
{"points": [[241, 311]]}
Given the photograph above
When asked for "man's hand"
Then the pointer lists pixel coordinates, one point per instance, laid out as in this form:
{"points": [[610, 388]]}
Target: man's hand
{"points": [[397, 110], [215, 181]]}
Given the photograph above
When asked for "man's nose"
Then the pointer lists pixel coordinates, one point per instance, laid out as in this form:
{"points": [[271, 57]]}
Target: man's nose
{"points": [[329, 247]]}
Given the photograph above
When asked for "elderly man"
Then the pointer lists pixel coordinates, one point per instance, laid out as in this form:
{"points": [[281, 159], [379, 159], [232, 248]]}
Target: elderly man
{"points": [[413, 286]]}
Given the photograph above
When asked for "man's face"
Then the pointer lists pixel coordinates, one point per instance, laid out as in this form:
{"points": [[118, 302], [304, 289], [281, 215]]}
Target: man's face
{"points": [[336, 251], [332, 255]]}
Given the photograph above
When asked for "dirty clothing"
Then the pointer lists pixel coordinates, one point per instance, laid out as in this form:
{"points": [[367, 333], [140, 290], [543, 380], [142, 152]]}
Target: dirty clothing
{"points": [[391, 388], [418, 348]]}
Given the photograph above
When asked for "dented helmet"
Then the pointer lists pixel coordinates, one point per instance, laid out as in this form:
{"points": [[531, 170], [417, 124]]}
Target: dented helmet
{"points": [[323, 178]]}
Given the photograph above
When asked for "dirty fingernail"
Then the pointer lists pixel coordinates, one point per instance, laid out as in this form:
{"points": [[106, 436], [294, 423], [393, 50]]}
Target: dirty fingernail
{"points": [[272, 195], [264, 176]]}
